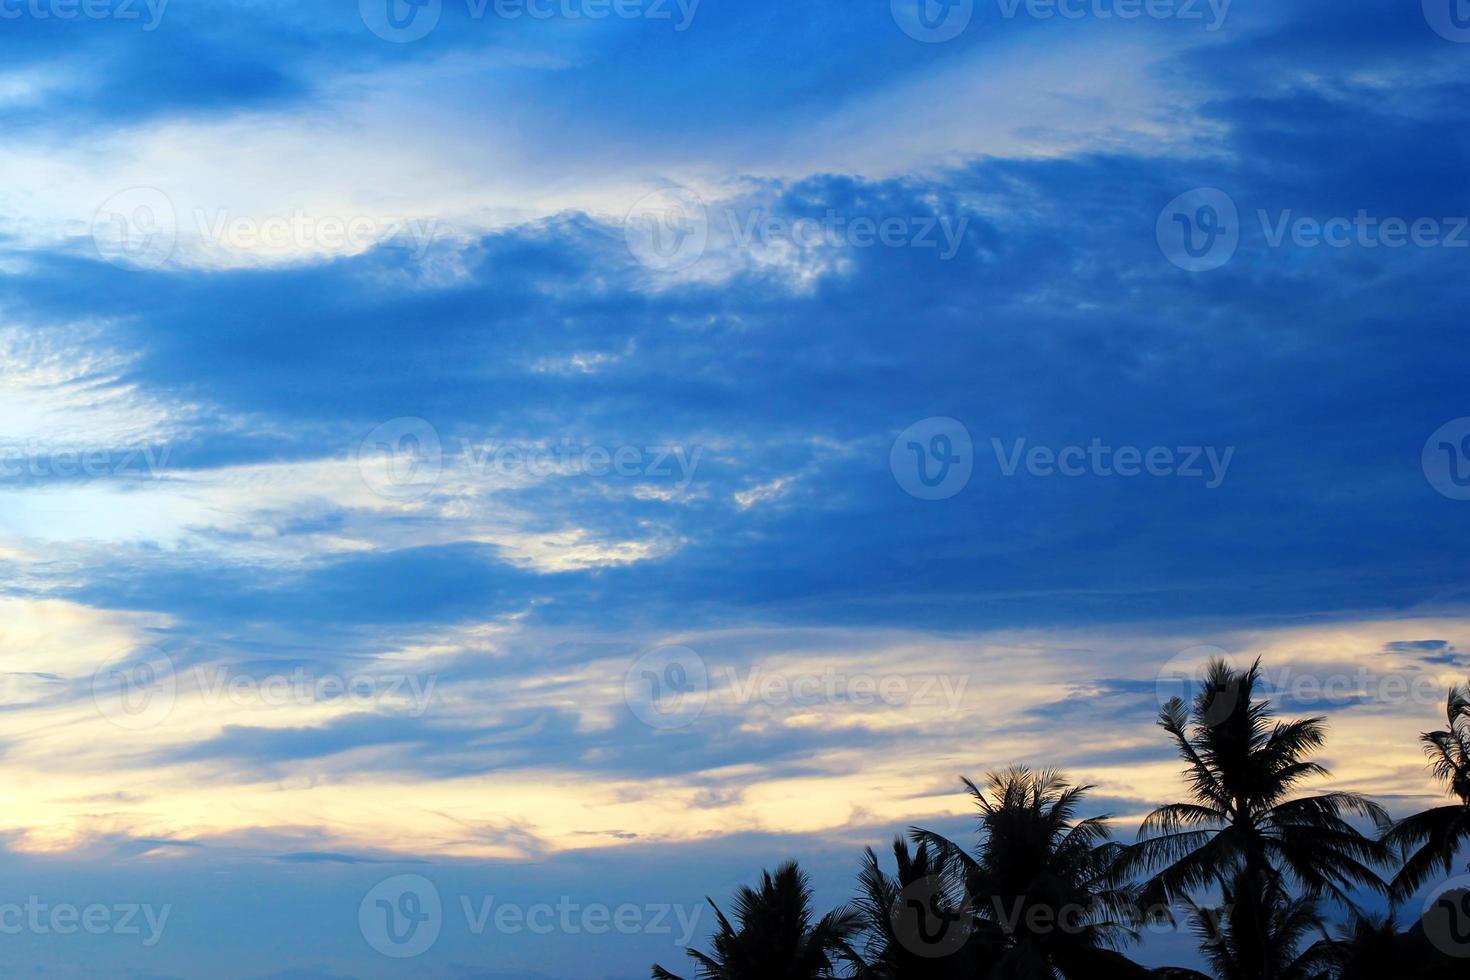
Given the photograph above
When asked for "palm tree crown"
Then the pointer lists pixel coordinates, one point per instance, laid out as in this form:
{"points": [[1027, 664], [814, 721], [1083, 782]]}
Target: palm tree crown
{"points": [[1427, 841], [1244, 830], [774, 937], [1040, 881]]}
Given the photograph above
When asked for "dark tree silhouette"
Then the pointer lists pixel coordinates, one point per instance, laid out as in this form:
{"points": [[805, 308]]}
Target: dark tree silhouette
{"points": [[884, 954], [1040, 881], [1227, 935], [1048, 896], [774, 937], [1243, 830], [1427, 842]]}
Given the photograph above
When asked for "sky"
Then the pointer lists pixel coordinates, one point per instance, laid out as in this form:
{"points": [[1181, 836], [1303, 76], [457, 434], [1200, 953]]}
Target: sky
{"points": [[563, 456]]}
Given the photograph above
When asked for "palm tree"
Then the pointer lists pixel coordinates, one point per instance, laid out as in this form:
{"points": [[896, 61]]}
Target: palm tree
{"points": [[886, 953], [1367, 948], [1040, 882], [1427, 841], [1243, 830], [775, 938], [1226, 936]]}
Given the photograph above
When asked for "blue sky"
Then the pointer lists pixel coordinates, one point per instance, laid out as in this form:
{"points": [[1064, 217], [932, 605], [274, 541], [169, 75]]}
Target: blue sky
{"points": [[390, 402]]}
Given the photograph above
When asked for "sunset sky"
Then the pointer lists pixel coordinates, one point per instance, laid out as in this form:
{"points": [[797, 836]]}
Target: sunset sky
{"points": [[585, 452]]}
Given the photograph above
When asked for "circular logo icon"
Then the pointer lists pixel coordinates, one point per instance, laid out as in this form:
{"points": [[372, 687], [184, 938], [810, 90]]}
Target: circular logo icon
{"points": [[1449, 18], [402, 459], [1184, 676], [136, 689], [928, 921], [400, 21], [667, 688], [933, 459], [1446, 459], [136, 228], [401, 916], [1446, 917], [932, 21], [668, 229], [1199, 230]]}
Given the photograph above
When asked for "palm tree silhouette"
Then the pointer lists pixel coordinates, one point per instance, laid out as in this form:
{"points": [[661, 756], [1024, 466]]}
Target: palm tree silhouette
{"points": [[888, 951], [1041, 881], [1427, 842], [775, 938], [1243, 832], [1227, 936]]}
